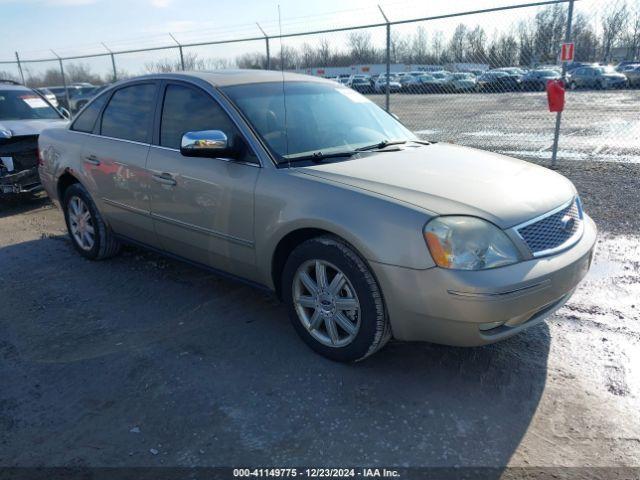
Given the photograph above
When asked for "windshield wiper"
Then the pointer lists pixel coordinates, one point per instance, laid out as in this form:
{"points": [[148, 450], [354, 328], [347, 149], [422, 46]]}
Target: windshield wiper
{"points": [[381, 145], [319, 156]]}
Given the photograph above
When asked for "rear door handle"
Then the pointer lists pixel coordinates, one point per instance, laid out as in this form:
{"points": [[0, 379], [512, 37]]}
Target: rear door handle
{"points": [[92, 159], [164, 178]]}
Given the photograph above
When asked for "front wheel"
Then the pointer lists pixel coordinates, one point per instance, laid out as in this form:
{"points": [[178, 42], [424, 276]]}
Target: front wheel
{"points": [[334, 301], [90, 235]]}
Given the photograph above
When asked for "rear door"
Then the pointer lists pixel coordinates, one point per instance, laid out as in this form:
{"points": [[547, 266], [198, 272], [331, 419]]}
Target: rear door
{"points": [[202, 207], [115, 157]]}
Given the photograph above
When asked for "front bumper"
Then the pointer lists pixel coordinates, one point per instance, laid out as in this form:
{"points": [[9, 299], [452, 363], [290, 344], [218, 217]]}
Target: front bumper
{"points": [[450, 306], [25, 181]]}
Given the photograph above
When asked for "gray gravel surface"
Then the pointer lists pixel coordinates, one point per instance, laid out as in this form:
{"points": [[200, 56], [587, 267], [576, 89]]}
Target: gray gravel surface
{"points": [[142, 361], [596, 125]]}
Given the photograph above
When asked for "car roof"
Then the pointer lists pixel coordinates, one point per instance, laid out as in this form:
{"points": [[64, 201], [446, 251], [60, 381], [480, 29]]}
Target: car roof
{"points": [[10, 86], [227, 78]]}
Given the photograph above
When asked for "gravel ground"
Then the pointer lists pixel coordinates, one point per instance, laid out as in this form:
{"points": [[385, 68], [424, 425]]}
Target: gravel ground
{"points": [[596, 125], [142, 361]]}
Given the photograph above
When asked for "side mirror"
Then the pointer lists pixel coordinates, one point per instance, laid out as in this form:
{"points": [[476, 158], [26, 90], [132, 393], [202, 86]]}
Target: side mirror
{"points": [[65, 113], [205, 143]]}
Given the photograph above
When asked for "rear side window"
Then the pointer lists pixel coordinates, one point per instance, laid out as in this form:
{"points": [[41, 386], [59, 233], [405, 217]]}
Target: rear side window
{"points": [[129, 113], [87, 119], [186, 109]]}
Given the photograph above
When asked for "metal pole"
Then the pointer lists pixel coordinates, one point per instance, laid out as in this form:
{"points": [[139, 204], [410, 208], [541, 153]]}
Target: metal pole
{"points": [[386, 83], [20, 68], [556, 135], [180, 49], [266, 39], [64, 81], [113, 62]]}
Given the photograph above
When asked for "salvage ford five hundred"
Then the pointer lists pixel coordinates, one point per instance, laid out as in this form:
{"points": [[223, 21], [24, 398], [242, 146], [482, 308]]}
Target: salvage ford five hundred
{"points": [[305, 187]]}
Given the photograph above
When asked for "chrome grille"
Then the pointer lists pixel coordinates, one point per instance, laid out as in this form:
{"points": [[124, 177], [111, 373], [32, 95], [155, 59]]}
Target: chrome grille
{"points": [[557, 230]]}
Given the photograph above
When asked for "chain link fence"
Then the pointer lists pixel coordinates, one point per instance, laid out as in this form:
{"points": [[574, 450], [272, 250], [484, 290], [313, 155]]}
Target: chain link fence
{"points": [[475, 78]]}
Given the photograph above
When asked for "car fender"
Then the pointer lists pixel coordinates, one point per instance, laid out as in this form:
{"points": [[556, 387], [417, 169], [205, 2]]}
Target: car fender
{"points": [[382, 229]]}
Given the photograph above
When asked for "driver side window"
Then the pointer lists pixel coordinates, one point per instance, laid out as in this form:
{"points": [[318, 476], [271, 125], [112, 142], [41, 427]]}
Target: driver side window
{"points": [[186, 109]]}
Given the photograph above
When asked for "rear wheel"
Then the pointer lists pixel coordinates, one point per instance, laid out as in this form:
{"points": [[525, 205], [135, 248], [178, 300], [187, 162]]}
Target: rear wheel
{"points": [[334, 302], [90, 235]]}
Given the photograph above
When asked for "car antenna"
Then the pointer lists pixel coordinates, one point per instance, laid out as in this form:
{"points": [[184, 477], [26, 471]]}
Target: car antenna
{"points": [[284, 95]]}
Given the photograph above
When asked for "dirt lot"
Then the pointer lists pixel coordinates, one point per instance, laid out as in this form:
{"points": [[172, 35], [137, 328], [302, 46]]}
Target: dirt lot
{"points": [[141, 361]]}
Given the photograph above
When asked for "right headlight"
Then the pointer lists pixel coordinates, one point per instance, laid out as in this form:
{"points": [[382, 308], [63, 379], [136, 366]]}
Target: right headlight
{"points": [[468, 243]]}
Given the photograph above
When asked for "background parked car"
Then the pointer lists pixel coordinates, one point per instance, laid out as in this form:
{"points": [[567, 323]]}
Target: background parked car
{"points": [[497, 81], [597, 77], [633, 76], [78, 101], [361, 84], [537, 79], [74, 91], [460, 82], [380, 84], [423, 83], [24, 113]]}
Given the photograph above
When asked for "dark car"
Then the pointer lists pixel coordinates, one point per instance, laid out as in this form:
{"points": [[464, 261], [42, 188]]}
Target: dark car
{"points": [[597, 77], [361, 84], [78, 101], [24, 113], [537, 79], [498, 81], [73, 90]]}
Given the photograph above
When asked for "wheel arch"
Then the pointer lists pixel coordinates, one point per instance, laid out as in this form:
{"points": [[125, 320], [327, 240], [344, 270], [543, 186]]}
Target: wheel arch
{"points": [[65, 181], [296, 237]]}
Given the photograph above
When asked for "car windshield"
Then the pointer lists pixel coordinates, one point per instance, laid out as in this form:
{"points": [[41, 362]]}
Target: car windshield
{"points": [[608, 69], [319, 117], [24, 105], [459, 76]]}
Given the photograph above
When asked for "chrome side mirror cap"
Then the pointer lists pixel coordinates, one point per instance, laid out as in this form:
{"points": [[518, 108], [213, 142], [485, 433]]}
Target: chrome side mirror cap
{"points": [[205, 143]]}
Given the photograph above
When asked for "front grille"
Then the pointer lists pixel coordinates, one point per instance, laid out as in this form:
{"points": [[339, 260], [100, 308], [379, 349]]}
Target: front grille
{"points": [[555, 231]]}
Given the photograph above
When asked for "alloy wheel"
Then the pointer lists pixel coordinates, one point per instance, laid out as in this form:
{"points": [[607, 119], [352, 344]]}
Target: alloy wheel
{"points": [[326, 303], [81, 223]]}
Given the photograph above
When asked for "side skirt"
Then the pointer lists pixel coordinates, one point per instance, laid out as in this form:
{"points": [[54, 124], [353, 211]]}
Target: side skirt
{"points": [[220, 273]]}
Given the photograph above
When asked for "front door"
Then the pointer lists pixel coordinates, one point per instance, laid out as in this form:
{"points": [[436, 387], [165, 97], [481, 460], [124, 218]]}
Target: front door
{"points": [[202, 208]]}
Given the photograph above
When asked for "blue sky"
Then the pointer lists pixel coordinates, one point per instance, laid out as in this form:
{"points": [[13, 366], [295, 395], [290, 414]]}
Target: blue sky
{"points": [[72, 27]]}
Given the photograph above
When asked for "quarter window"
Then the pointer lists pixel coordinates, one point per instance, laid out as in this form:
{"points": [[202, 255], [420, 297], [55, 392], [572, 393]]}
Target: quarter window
{"points": [[129, 113], [87, 119]]}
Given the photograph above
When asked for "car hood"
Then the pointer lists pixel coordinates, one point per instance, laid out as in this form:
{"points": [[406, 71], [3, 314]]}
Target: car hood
{"points": [[448, 179], [20, 128]]}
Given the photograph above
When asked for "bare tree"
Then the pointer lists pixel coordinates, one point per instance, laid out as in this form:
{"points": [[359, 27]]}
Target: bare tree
{"points": [[632, 37], [361, 48], [458, 43], [614, 22], [476, 45]]}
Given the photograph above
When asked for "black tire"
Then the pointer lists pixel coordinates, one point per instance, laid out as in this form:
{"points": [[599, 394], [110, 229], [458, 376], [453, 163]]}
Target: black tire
{"points": [[105, 243], [374, 331]]}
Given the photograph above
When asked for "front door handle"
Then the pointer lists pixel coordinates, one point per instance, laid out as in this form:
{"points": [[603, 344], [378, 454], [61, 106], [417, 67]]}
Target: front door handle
{"points": [[164, 178], [92, 159]]}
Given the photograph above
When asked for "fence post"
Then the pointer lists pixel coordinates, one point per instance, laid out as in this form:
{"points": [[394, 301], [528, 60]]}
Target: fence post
{"points": [[20, 68], [64, 81], [388, 61], [113, 62], [266, 39], [180, 50], [556, 135]]}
